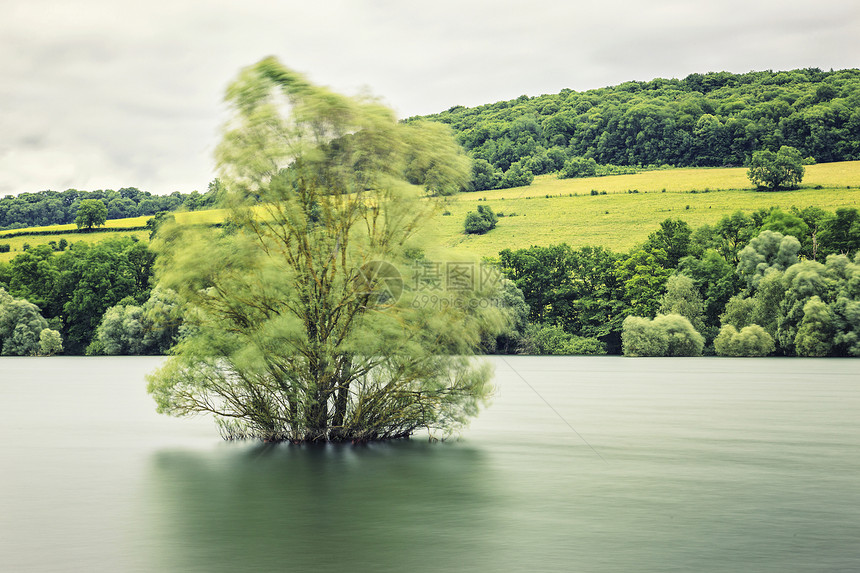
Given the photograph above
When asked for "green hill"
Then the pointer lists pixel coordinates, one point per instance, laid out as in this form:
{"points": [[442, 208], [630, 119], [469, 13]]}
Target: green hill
{"points": [[714, 119]]}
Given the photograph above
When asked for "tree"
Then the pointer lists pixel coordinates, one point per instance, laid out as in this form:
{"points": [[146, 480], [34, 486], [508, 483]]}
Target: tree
{"points": [[481, 222], [91, 213], [815, 333], [484, 175], [21, 326], [772, 171], [644, 281], [300, 326], [121, 331], [670, 242], [841, 233], [516, 176], [770, 250], [787, 224], [682, 298], [50, 342], [733, 231], [717, 282], [134, 330]]}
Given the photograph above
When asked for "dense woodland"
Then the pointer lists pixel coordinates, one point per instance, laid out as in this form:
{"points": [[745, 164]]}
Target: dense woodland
{"points": [[61, 207], [768, 282], [713, 119]]}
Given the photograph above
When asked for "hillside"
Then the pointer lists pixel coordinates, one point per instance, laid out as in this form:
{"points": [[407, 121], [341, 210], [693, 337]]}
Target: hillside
{"points": [[621, 218], [555, 210], [714, 119]]}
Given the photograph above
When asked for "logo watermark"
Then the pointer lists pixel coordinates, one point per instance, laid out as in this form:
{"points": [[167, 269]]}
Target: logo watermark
{"points": [[432, 284]]}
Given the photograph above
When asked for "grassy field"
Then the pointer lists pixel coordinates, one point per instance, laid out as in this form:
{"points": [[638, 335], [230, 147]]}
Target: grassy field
{"points": [[619, 220], [16, 244], [555, 210]]}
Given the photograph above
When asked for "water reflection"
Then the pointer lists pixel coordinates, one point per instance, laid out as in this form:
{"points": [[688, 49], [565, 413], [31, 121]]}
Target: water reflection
{"points": [[405, 506], [705, 465]]}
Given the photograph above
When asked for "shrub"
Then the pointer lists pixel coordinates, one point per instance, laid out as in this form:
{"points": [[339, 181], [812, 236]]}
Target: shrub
{"points": [[578, 167], [480, 222], [666, 335], [752, 340], [548, 339]]}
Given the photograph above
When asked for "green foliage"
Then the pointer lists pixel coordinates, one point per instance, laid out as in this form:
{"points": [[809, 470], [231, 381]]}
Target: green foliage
{"points": [[752, 340], [152, 328], [738, 312], [549, 339], [298, 325], [716, 282], [50, 342], [786, 224], [21, 326], [684, 299], [516, 176], [666, 335], [672, 240], [770, 250], [91, 213], [76, 286], [434, 160], [772, 171], [481, 222], [575, 288], [484, 176], [588, 167], [846, 314], [156, 221], [643, 279], [815, 333], [510, 301], [578, 167], [841, 233]]}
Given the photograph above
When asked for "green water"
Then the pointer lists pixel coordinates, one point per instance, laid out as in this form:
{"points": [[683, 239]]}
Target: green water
{"points": [[580, 464]]}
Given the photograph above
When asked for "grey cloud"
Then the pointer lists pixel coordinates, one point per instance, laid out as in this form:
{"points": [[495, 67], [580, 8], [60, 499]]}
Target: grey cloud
{"points": [[97, 93]]}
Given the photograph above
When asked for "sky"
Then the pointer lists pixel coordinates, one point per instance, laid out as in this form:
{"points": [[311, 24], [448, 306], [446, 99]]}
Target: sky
{"points": [[108, 94]]}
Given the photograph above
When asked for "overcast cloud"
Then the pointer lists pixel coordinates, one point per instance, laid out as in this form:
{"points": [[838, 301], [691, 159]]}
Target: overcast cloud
{"points": [[107, 94]]}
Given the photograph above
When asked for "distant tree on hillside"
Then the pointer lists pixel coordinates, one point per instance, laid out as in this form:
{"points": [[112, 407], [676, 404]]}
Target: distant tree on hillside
{"points": [[91, 213], [781, 170]]}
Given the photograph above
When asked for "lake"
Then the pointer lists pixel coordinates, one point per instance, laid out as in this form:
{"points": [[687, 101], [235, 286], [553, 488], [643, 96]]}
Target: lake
{"points": [[580, 464]]}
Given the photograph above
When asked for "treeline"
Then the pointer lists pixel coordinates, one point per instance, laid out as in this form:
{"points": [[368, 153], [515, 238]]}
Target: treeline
{"points": [[769, 282], [772, 281], [713, 119], [61, 207]]}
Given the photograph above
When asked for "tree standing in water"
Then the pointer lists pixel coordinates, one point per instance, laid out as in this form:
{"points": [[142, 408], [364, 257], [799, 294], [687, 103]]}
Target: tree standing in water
{"points": [[302, 327]]}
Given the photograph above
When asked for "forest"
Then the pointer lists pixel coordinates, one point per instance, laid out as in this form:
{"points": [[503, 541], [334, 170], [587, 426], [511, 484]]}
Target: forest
{"points": [[712, 119]]}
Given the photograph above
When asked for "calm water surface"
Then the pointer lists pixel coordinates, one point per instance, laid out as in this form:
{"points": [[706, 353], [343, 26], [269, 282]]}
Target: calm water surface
{"points": [[580, 464]]}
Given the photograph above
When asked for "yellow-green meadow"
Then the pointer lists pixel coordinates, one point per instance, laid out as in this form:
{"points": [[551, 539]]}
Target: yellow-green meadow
{"points": [[553, 210]]}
